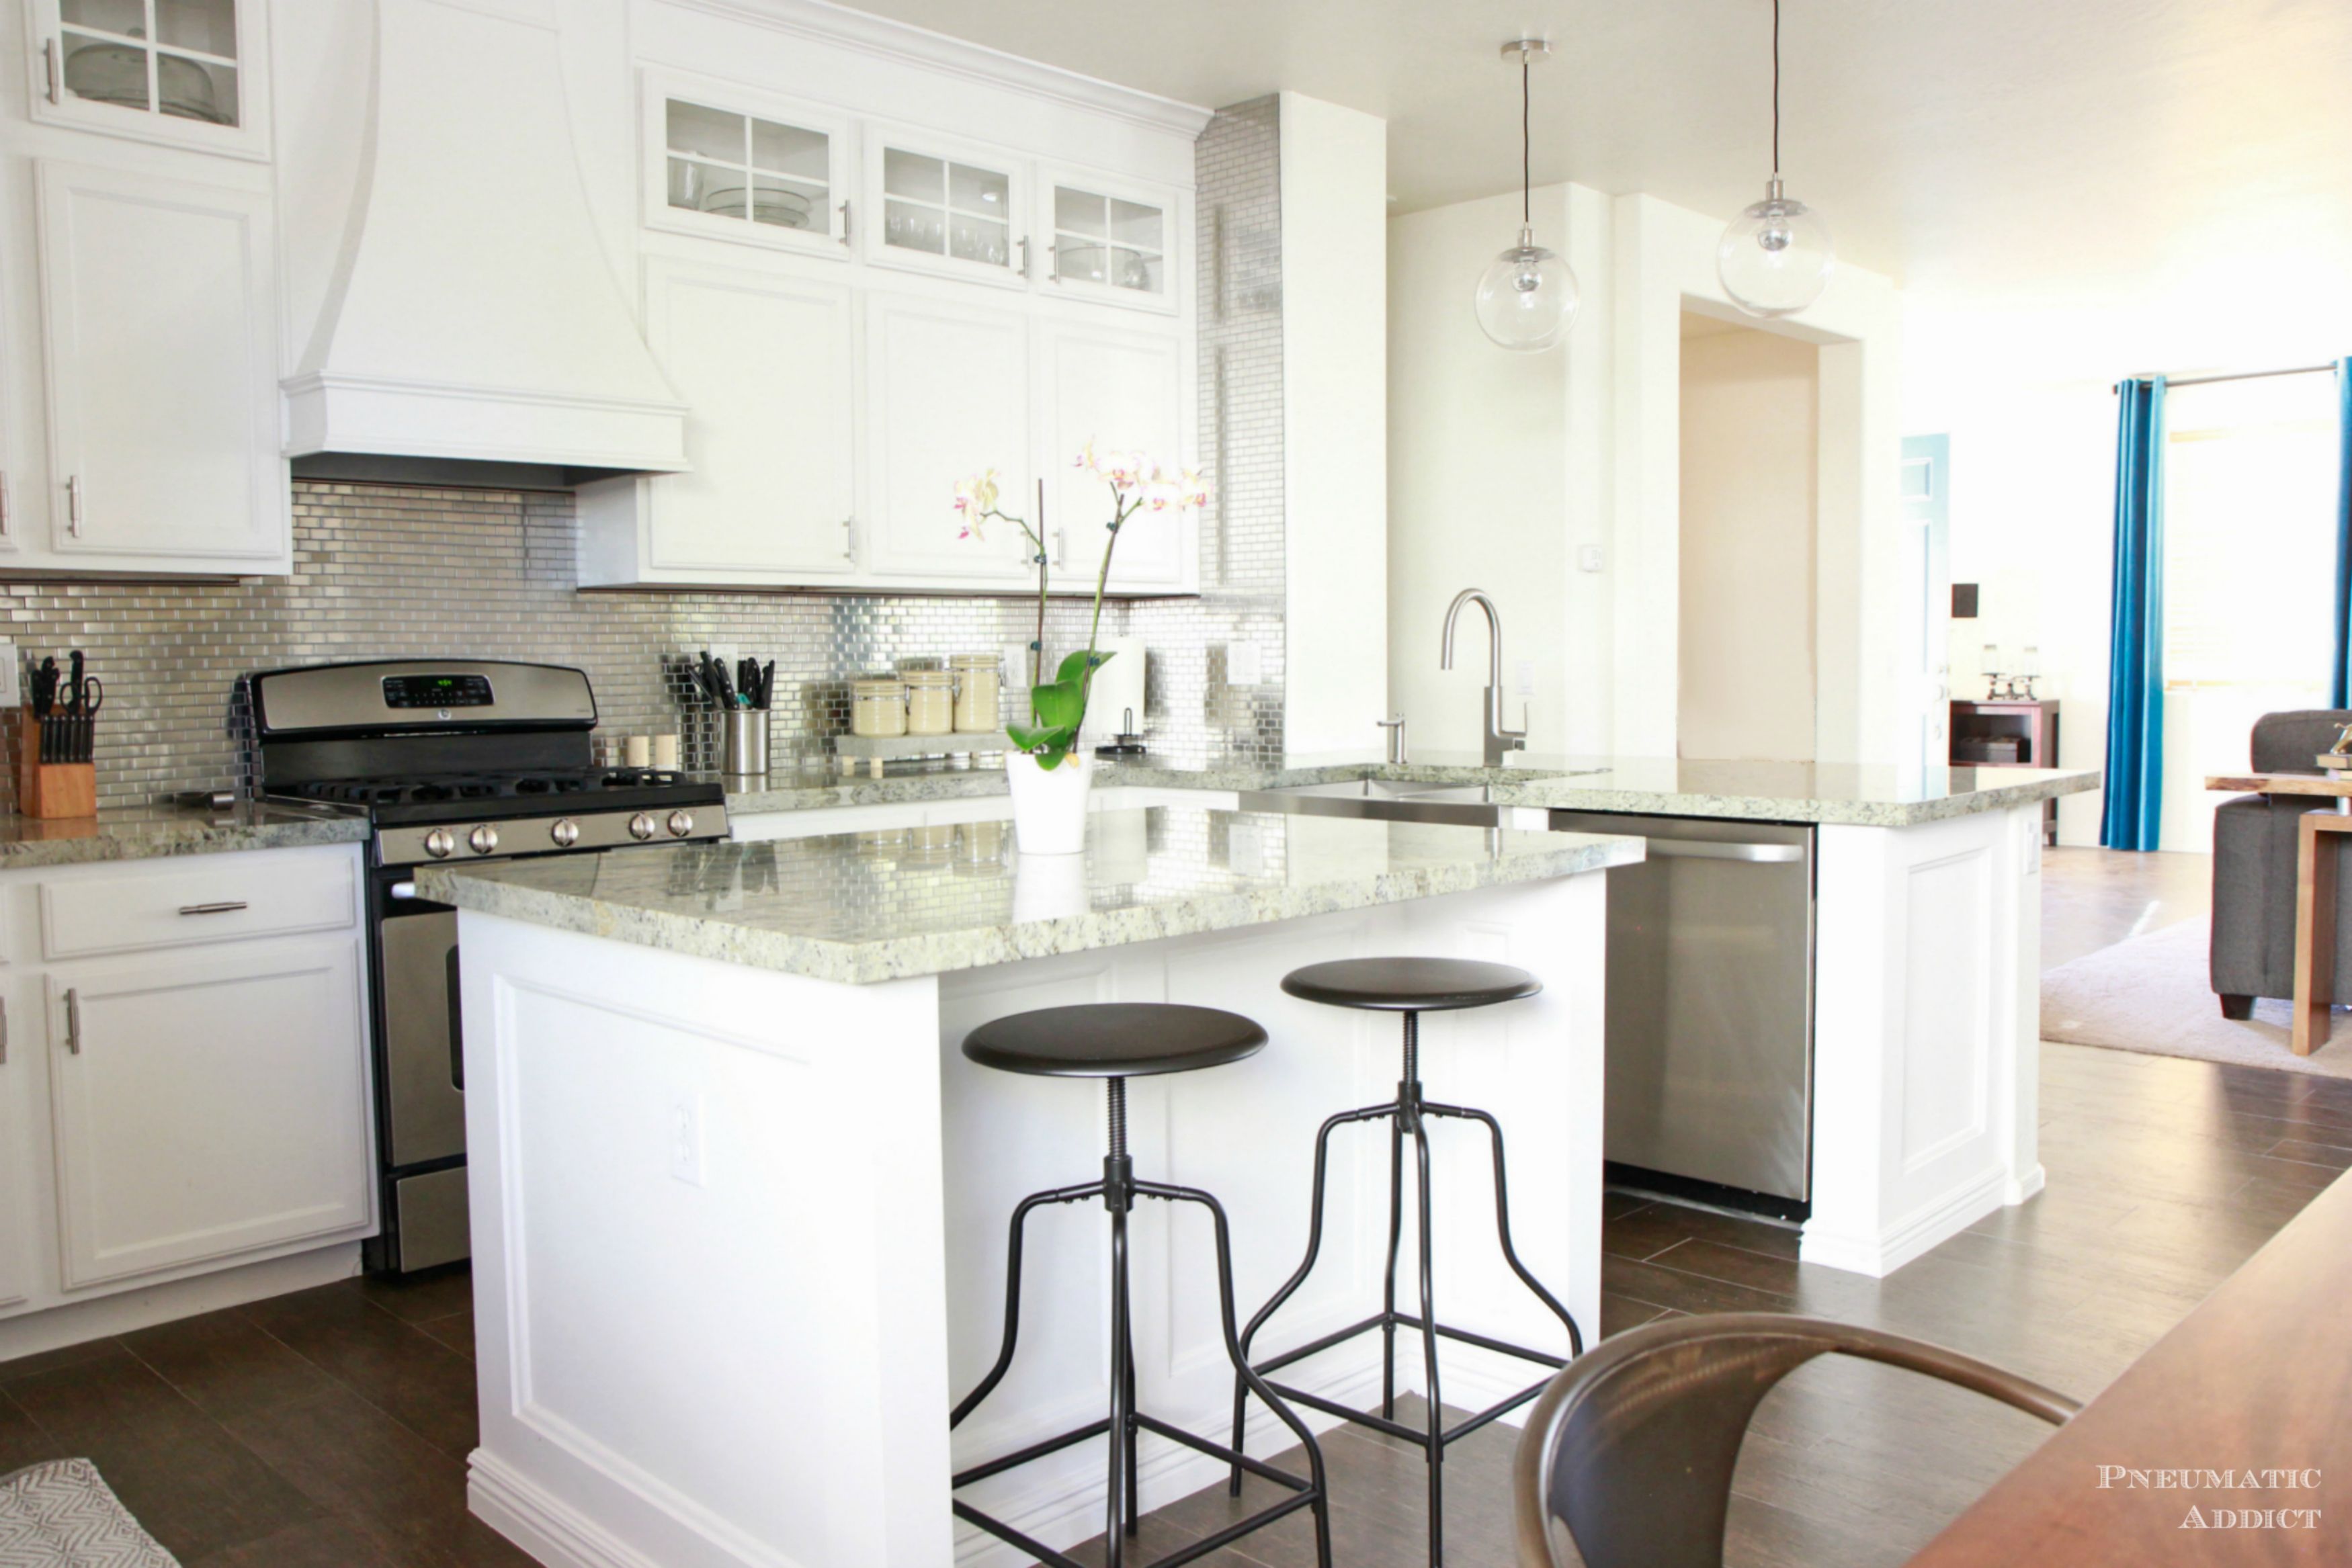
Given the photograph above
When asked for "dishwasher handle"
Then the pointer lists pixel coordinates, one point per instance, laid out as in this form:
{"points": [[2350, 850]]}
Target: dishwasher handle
{"points": [[1713, 849]]}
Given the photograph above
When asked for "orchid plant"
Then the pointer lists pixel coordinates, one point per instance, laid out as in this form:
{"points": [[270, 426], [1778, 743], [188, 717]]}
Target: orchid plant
{"points": [[1138, 483]]}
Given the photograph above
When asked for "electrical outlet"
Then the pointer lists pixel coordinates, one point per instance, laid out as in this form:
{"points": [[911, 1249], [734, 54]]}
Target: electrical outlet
{"points": [[726, 656], [1527, 677], [11, 684], [1017, 669], [1588, 558], [686, 1139], [1245, 665]]}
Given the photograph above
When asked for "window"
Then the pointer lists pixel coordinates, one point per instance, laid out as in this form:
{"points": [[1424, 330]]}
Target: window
{"points": [[740, 166], [172, 57], [1105, 240], [2249, 534]]}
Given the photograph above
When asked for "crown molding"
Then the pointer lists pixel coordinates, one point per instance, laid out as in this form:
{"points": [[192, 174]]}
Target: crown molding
{"points": [[879, 36]]}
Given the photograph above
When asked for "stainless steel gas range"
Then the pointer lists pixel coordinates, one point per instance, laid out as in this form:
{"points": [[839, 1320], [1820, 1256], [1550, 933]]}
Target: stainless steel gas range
{"points": [[453, 760]]}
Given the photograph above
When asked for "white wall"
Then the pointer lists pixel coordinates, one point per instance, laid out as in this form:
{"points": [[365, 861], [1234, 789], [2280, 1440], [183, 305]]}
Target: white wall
{"points": [[1502, 466], [1749, 429], [1335, 425]]}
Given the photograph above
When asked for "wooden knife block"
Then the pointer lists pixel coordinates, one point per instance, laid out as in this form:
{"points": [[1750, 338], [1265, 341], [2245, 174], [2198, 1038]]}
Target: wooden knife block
{"points": [[51, 789]]}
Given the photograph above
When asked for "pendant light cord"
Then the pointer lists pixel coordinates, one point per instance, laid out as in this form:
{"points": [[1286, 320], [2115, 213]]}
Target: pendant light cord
{"points": [[1776, 88], [1527, 176]]}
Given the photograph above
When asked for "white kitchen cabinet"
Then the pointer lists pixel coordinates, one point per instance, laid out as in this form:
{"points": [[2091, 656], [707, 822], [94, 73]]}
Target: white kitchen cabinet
{"points": [[184, 73], [946, 206], [1122, 388], [1113, 241], [18, 1152], [728, 164], [207, 1107], [946, 396], [160, 374], [766, 361]]}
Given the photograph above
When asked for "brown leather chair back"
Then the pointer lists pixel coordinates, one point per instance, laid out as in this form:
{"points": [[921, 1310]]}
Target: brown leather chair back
{"points": [[1630, 1451]]}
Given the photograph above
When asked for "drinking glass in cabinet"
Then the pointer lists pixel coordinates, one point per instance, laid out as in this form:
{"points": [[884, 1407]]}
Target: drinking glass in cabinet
{"points": [[740, 166], [1102, 239], [177, 58], [945, 209]]}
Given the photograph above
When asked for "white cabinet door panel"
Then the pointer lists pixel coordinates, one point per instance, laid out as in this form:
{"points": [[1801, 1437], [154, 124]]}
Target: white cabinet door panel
{"points": [[161, 369], [207, 1107], [1121, 389], [18, 1152], [765, 363], [948, 397]]}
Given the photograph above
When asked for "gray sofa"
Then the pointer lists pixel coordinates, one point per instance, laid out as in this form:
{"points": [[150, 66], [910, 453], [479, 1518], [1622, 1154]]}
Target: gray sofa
{"points": [[2253, 868]]}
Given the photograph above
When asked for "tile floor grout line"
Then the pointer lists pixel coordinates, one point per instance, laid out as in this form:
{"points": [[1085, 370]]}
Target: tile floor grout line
{"points": [[353, 1390]]}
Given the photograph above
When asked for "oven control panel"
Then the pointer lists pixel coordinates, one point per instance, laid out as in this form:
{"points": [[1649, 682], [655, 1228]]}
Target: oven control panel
{"points": [[436, 691]]}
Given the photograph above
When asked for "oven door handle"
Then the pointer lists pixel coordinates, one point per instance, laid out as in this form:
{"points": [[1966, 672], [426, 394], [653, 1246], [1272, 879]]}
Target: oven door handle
{"points": [[457, 1027]]}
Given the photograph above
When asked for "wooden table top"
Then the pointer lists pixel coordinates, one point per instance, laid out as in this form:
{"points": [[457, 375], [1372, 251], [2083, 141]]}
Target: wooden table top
{"points": [[2259, 1376], [2280, 784]]}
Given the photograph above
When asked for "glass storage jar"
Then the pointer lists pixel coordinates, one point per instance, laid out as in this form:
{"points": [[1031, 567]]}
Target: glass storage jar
{"points": [[976, 709], [878, 707], [930, 702]]}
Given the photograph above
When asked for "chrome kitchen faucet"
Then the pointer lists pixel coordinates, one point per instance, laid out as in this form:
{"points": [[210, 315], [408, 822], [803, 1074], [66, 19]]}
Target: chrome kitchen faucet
{"points": [[1498, 739]]}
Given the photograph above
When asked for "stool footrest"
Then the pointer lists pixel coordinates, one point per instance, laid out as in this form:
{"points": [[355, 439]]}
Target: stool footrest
{"points": [[1415, 1435], [1303, 1492]]}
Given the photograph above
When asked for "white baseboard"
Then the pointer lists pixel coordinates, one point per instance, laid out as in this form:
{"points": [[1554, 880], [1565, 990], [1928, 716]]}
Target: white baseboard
{"points": [[77, 1322], [536, 1521], [1880, 1255], [2020, 1188]]}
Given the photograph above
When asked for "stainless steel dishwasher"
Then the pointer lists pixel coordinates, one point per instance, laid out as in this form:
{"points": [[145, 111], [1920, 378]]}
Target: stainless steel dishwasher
{"points": [[1710, 1007]]}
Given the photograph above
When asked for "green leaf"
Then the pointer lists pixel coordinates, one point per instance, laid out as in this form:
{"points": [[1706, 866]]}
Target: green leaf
{"points": [[1059, 703], [1074, 666]]}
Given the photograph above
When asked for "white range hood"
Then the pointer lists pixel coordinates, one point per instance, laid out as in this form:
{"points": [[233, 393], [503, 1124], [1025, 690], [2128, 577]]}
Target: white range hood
{"points": [[473, 314]]}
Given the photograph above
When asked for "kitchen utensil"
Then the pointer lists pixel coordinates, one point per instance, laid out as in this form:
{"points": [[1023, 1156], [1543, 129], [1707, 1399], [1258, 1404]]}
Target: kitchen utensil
{"points": [[746, 741], [768, 685]]}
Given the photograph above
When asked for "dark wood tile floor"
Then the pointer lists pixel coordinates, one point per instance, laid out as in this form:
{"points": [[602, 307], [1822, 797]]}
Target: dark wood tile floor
{"points": [[330, 1427]]}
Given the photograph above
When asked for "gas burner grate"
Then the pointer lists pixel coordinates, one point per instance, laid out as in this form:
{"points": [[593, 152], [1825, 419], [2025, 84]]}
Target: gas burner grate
{"points": [[487, 786]]}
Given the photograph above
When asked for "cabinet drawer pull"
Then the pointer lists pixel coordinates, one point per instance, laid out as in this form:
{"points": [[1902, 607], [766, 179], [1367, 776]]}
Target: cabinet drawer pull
{"points": [[226, 906], [73, 1020], [73, 506], [4, 1031], [849, 540], [49, 65], [845, 223], [7, 523]]}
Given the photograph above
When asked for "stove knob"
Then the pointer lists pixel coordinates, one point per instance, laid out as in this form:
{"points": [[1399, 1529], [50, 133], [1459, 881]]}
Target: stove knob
{"points": [[641, 826], [483, 839], [680, 824], [566, 832], [439, 844]]}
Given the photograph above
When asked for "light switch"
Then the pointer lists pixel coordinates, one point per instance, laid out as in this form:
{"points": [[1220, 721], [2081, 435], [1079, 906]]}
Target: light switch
{"points": [[686, 1139], [1244, 665], [1526, 672], [1588, 558]]}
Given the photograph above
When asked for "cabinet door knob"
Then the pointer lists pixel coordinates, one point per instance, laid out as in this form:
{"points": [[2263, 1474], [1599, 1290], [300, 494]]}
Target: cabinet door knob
{"points": [[73, 1020]]}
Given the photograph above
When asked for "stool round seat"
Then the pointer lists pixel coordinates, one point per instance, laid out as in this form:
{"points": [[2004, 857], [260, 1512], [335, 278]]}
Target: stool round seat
{"points": [[1114, 1040], [1411, 985]]}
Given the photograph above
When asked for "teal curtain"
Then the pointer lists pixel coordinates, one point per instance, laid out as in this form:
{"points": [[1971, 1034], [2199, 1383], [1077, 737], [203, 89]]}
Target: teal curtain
{"points": [[2134, 793], [2339, 681]]}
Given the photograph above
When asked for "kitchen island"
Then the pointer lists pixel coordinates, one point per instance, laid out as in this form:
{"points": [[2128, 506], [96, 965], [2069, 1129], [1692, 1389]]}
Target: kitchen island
{"points": [[738, 1202]]}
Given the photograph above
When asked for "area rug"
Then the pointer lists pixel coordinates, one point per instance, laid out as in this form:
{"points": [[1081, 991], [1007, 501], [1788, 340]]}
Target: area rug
{"points": [[2152, 993], [62, 1515]]}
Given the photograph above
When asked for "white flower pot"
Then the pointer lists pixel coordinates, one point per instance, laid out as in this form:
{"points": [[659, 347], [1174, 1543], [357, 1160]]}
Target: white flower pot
{"points": [[1049, 805], [1049, 888]]}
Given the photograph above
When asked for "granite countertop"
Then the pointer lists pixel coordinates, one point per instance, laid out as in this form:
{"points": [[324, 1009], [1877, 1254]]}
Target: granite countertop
{"points": [[865, 907], [147, 832], [1844, 793]]}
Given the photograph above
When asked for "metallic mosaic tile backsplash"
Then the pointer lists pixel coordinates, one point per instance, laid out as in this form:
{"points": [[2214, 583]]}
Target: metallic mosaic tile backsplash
{"points": [[385, 571]]}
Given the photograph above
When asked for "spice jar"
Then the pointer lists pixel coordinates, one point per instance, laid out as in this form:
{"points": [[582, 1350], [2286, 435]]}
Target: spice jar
{"points": [[878, 707], [976, 710], [930, 702]]}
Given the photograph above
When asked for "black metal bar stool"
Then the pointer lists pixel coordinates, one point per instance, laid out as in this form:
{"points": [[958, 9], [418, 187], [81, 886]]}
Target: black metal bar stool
{"points": [[1411, 986], [1116, 1042]]}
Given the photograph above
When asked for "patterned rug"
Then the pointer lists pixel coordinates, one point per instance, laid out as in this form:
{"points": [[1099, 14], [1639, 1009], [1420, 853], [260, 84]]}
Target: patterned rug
{"points": [[2154, 993], [61, 1515]]}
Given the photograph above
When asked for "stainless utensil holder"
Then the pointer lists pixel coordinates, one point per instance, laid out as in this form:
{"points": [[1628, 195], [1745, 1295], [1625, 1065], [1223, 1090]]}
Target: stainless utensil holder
{"points": [[743, 743]]}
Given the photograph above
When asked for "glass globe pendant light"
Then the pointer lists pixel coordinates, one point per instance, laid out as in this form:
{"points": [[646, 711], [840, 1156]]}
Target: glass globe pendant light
{"points": [[1527, 297], [1775, 258]]}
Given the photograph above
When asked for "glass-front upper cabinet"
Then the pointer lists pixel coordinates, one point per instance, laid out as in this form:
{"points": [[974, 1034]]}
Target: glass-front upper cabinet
{"points": [[181, 72], [934, 206], [1118, 245], [730, 164]]}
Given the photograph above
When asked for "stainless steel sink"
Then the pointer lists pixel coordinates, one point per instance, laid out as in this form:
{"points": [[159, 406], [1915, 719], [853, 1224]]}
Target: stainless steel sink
{"points": [[1383, 800]]}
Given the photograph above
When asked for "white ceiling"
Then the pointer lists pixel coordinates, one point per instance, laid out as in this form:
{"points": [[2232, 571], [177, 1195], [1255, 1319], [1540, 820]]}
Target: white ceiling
{"points": [[1969, 148]]}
